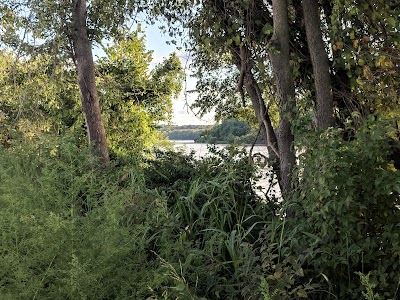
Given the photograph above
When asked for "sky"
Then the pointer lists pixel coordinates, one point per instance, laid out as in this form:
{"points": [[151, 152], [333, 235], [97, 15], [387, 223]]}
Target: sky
{"points": [[156, 41]]}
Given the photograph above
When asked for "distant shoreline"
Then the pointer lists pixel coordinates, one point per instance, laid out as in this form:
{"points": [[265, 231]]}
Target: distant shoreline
{"points": [[216, 143]]}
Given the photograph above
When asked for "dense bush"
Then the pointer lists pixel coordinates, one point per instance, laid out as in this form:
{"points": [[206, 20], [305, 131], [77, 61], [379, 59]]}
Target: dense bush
{"points": [[63, 235], [173, 227], [206, 244], [73, 229], [349, 213], [347, 222]]}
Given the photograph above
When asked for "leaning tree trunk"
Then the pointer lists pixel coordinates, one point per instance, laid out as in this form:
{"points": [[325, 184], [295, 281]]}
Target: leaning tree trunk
{"points": [[242, 62], [87, 81], [264, 120], [320, 63], [279, 56]]}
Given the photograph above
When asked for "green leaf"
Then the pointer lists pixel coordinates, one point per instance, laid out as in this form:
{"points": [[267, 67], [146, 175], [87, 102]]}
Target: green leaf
{"points": [[237, 40], [391, 22], [267, 29], [300, 272], [302, 293]]}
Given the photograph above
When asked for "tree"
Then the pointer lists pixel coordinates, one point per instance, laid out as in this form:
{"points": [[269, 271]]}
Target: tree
{"points": [[68, 28], [83, 59], [243, 43], [363, 38], [236, 44], [45, 98], [279, 54], [135, 98], [38, 97], [226, 132], [320, 62]]}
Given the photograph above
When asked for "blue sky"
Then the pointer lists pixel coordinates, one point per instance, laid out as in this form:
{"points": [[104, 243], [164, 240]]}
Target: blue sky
{"points": [[156, 41]]}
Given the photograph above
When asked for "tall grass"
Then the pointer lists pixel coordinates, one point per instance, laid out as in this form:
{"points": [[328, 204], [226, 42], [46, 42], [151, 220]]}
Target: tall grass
{"points": [[63, 235], [176, 228]]}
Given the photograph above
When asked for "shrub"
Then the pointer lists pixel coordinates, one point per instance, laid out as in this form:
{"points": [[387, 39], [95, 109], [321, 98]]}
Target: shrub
{"points": [[180, 228], [348, 216], [205, 242], [62, 231]]}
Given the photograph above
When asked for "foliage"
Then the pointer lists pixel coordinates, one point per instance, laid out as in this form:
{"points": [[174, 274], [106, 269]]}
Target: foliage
{"points": [[47, 25], [37, 96], [179, 228], [369, 286], [74, 230], [365, 40], [215, 217], [316, 255], [349, 213], [40, 96], [170, 226], [216, 88], [229, 131], [183, 132], [63, 230], [169, 171], [132, 94]]}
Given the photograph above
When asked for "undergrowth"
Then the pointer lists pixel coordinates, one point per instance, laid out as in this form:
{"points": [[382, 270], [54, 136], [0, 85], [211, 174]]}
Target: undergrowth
{"points": [[63, 232], [173, 227]]}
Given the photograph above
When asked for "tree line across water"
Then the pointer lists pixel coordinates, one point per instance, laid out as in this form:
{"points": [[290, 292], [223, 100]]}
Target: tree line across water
{"points": [[183, 132], [230, 131], [91, 208]]}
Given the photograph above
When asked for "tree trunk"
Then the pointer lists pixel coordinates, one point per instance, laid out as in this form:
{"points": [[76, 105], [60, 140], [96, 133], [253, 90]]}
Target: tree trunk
{"points": [[242, 62], [261, 112], [279, 56], [87, 81], [320, 63]]}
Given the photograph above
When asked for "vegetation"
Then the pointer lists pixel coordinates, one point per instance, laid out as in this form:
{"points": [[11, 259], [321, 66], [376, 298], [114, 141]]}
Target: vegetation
{"points": [[173, 227], [91, 208], [183, 132], [135, 99], [40, 97], [332, 61], [230, 131]]}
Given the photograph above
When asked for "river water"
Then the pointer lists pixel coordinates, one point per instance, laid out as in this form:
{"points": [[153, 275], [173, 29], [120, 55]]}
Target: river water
{"points": [[201, 149], [263, 186]]}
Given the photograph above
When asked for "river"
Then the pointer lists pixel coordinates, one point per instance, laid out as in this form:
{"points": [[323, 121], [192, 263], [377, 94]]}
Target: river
{"points": [[201, 150]]}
